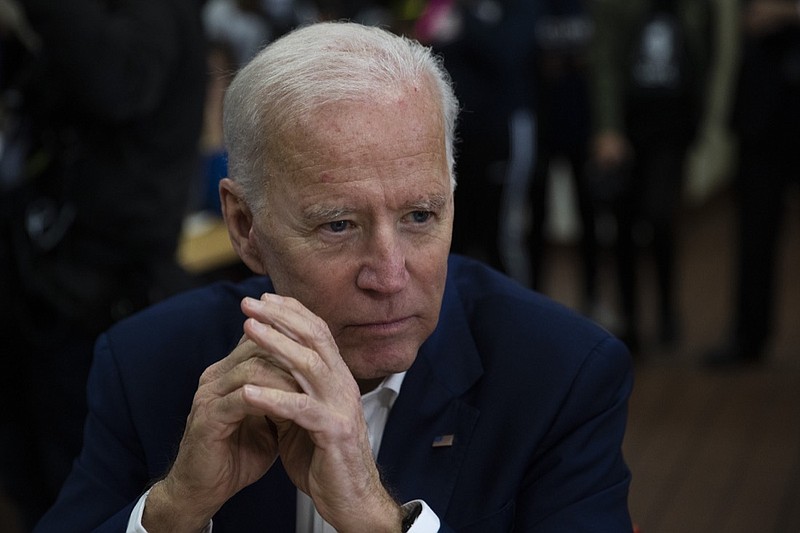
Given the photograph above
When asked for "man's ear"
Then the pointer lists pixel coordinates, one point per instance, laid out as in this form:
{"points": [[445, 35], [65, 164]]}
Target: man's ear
{"points": [[239, 220]]}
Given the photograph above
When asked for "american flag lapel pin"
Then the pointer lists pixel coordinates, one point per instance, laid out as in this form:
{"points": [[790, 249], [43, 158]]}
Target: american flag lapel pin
{"points": [[442, 441]]}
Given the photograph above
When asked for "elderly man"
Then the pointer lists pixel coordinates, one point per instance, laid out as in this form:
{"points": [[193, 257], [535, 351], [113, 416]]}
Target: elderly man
{"points": [[364, 381]]}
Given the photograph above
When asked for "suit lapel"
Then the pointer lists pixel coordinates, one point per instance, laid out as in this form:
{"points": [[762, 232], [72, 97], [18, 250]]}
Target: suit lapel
{"points": [[430, 426]]}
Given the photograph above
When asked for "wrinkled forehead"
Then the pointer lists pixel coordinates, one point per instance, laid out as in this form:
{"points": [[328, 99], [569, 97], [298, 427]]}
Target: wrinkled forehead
{"points": [[374, 129]]}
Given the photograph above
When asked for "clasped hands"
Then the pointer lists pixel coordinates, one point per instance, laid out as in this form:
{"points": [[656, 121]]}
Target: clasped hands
{"points": [[285, 392]]}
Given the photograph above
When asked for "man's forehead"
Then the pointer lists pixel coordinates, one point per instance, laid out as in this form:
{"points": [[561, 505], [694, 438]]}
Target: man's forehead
{"points": [[331, 150], [392, 143]]}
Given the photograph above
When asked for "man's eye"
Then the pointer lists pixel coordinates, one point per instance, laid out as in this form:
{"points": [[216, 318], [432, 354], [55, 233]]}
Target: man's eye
{"points": [[421, 216], [338, 226]]}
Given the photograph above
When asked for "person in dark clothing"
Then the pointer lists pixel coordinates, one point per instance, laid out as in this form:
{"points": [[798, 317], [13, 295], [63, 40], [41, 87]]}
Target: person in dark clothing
{"points": [[563, 32], [649, 80], [107, 100], [365, 379], [488, 48], [766, 120]]}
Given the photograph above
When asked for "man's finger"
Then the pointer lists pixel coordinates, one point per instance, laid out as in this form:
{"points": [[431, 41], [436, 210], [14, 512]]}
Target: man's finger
{"points": [[256, 370], [293, 319], [303, 363]]}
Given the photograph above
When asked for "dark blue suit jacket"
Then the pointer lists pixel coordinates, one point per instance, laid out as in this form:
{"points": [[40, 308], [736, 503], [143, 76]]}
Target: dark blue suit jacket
{"points": [[534, 395]]}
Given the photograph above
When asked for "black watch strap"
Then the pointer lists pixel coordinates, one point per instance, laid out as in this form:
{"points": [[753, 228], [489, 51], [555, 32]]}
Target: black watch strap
{"points": [[410, 513]]}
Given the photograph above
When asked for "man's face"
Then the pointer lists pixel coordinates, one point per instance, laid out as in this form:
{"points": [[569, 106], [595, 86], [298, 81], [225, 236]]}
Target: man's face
{"points": [[358, 223]]}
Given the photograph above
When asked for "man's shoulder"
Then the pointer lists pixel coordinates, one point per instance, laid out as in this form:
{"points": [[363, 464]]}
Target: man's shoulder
{"points": [[201, 320], [480, 288], [505, 318], [208, 300]]}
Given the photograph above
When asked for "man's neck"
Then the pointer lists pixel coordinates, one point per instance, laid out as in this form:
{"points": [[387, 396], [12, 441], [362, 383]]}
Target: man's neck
{"points": [[368, 385]]}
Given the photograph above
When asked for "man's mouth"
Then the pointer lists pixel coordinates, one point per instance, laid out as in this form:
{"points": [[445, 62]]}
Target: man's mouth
{"points": [[385, 327]]}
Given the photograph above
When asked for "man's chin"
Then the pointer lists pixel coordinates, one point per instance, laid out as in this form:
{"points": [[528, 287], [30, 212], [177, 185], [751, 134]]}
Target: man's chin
{"points": [[376, 365]]}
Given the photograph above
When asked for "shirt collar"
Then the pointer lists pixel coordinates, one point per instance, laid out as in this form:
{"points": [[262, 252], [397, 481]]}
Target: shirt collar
{"points": [[391, 384]]}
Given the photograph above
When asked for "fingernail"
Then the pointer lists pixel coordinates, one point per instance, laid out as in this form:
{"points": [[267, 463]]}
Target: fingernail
{"points": [[256, 325]]}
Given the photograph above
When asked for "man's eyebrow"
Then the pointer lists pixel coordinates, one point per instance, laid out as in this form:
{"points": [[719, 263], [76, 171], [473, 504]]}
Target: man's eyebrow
{"points": [[434, 202], [324, 212]]}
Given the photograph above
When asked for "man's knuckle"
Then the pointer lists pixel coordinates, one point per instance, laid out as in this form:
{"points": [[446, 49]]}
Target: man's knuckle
{"points": [[319, 328]]}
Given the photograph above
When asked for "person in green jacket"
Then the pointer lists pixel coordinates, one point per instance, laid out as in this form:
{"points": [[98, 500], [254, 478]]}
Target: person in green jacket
{"points": [[648, 81]]}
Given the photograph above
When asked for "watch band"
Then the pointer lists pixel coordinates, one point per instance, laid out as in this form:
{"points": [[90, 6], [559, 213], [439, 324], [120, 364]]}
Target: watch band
{"points": [[411, 511]]}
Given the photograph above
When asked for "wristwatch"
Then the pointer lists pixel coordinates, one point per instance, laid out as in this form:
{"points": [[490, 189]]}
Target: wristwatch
{"points": [[411, 511]]}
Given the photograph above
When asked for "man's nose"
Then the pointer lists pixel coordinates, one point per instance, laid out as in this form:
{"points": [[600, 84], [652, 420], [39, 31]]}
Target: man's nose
{"points": [[384, 266]]}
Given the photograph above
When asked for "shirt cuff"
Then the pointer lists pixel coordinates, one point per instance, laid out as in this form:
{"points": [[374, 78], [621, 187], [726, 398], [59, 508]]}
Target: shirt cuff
{"points": [[135, 521], [426, 522]]}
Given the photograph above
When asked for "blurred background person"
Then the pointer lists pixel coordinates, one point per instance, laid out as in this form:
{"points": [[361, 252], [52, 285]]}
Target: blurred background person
{"points": [[235, 31], [563, 32], [102, 108], [649, 70], [488, 49], [766, 122]]}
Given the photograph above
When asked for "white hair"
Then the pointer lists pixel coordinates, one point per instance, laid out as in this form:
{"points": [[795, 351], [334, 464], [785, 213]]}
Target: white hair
{"points": [[310, 67]]}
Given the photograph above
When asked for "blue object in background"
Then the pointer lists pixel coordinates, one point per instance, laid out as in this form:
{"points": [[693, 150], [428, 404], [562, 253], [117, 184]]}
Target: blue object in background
{"points": [[216, 168]]}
